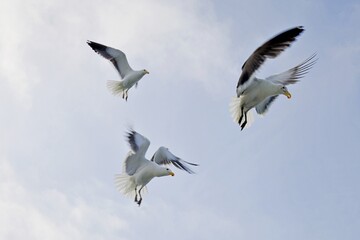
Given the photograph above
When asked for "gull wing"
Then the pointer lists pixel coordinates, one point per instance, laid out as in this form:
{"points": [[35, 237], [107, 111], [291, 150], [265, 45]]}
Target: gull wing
{"points": [[138, 143], [290, 76], [133, 162], [117, 57], [294, 74], [263, 106], [163, 156], [270, 49]]}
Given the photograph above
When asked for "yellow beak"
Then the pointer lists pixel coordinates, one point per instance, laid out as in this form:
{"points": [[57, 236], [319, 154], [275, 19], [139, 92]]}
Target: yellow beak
{"points": [[172, 174], [287, 94]]}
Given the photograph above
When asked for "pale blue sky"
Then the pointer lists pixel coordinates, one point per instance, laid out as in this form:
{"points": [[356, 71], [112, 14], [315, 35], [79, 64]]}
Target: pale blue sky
{"points": [[294, 174]]}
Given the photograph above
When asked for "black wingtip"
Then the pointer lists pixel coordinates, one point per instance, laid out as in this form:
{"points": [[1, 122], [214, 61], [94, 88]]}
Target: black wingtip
{"points": [[96, 46], [181, 164], [130, 138], [300, 29], [284, 40], [89, 42], [192, 164], [129, 134], [296, 31]]}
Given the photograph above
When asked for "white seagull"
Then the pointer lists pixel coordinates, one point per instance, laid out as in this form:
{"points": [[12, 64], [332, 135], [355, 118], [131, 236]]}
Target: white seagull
{"points": [[138, 171], [260, 93], [128, 75]]}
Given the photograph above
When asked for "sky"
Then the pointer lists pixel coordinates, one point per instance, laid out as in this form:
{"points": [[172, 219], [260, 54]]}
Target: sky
{"points": [[292, 175]]}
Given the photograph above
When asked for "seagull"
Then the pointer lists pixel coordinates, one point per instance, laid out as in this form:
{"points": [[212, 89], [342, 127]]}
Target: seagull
{"points": [[128, 75], [261, 93], [139, 171]]}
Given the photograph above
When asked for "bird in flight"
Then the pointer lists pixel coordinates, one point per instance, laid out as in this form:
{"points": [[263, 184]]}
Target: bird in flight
{"points": [[260, 93], [128, 75], [138, 171]]}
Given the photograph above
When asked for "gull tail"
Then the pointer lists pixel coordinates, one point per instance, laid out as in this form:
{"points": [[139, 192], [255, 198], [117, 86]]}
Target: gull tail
{"points": [[236, 113], [126, 185], [235, 108], [115, 87]]}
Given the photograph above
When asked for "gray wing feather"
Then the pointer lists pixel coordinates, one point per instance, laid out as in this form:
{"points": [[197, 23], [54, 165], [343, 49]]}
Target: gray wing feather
{"points": [[138, 143], [163, 156], [132, 163], [294, 74], [117, 57], [263, 106]]}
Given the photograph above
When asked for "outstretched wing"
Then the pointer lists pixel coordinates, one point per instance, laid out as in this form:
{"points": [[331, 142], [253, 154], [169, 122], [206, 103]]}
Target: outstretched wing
{"points": [[290, 76], [294, 74], [269, 49], [138, 143], [117, 57], [163, 156]]}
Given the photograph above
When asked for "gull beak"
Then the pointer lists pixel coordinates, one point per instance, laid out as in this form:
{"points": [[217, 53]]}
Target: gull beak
{"points": [[146, 72], [287, 94], [172, 174]]}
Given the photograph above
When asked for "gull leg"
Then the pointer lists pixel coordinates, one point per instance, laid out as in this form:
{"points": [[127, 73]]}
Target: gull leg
{"points": [[244, 124], [126, 93], [242, 114], [136, 200], [139, 202], [123, 94]]}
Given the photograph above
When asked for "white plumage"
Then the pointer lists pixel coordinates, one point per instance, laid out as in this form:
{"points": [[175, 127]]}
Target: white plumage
{"points": [[260, 93], [139, 171], [119, 60]]}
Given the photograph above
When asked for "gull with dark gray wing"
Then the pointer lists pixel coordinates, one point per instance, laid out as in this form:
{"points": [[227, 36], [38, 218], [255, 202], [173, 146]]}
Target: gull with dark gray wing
{"points": [[138, 171], [260, 93], [119, 60]]}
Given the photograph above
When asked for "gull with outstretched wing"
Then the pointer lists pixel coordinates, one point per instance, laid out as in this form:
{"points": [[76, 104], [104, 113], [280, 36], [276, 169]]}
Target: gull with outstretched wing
{"points": [[139, 171], [260, 93], [118, 59]]}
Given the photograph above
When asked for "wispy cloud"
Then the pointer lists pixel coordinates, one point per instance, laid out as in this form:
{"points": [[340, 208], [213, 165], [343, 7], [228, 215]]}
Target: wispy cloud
{"points": [[51, 213], [62, 138]]}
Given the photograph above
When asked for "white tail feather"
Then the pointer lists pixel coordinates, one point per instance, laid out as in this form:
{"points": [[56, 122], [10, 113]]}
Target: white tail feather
{"points": [[236, 112], [115, 87], [235, 108], [126, 185]]}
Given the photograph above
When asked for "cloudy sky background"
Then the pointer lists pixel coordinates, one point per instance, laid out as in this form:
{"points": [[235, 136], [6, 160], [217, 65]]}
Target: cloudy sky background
{"points": [[294, 174]]}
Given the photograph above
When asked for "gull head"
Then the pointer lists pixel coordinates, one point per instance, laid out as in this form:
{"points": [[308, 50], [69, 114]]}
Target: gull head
{"points": [[284, 91], [161, 172], [169, 172], [145, 71]]}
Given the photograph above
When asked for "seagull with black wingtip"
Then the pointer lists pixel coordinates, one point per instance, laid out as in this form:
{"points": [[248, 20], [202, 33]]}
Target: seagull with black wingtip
{"points": [[119, 60], [139, 171], [260, 93]]}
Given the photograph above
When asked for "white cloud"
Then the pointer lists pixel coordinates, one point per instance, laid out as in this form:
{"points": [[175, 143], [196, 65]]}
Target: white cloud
{"points": [[13, 33], [52, 214], [47, 69], [62, 133], [175, 40]]}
